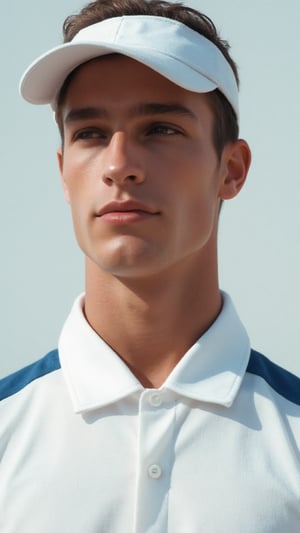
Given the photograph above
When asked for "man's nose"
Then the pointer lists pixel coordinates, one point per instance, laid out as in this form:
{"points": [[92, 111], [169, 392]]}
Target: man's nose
{"points": [[121, 163]]}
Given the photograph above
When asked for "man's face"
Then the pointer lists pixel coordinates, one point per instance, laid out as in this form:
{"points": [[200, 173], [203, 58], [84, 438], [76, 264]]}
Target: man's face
{"points": [[139, 169]]}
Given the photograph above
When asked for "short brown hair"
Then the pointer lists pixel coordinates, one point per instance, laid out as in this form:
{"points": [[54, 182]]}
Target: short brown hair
{"points": [[225, 120]]}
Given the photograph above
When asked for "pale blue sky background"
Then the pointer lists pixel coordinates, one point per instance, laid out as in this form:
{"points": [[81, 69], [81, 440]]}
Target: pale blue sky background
{"points": [[41, 267]]}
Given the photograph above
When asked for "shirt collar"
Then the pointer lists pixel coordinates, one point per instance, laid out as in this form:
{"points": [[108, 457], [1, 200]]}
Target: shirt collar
{"points": [[211, 370]]}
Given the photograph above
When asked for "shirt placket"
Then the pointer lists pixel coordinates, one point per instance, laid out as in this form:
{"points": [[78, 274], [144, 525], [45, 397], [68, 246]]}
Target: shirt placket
{"points": [[155, 461]]}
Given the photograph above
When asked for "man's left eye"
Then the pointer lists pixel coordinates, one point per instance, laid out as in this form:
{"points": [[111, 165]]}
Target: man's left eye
{"points": [[163, 129]]}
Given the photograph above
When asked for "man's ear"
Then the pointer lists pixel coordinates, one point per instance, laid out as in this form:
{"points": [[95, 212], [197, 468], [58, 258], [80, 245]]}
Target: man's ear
{"points": [[60, 159], [236, 162]]}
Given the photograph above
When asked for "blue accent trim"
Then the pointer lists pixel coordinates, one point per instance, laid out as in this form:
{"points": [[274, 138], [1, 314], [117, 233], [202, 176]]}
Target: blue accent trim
{"points": [[18, 380], [282, 381]]}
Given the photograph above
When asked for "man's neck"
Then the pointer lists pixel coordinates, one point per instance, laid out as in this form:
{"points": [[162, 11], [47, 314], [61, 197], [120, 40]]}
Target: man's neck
{"points": [[151, 324]]}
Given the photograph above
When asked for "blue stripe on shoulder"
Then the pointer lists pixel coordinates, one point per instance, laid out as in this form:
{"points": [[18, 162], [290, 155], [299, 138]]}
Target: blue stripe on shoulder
{"points": [[18, 380], [282, 381]]}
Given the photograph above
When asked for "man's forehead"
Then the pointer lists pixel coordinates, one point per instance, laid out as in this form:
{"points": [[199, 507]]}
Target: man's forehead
{"points": [[123, 80]]}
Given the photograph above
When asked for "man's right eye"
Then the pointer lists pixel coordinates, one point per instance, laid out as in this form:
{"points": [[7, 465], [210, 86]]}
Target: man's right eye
{"points": [[91, 133]]}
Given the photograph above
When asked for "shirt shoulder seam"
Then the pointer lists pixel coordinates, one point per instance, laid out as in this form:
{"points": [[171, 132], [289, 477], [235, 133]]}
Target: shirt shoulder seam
{"points": [[279, 379], [18, 380]]}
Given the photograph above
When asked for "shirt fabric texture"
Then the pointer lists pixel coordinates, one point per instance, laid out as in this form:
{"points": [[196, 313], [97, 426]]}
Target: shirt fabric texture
{"points": [[85, 448]]}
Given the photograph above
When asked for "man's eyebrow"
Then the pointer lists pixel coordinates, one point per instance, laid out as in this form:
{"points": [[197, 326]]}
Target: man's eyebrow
{"points": [[156, 108], [142, 109], [85, 113]]}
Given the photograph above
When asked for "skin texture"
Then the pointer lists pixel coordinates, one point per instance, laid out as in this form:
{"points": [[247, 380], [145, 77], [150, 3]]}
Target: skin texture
{"points": [[151, 269]]}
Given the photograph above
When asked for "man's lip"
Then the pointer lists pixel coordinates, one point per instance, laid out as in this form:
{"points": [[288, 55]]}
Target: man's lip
{"points": [[126, 206]]}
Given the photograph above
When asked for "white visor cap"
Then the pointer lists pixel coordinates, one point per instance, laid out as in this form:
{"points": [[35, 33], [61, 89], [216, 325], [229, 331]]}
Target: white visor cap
{"points": [[167, 46]]}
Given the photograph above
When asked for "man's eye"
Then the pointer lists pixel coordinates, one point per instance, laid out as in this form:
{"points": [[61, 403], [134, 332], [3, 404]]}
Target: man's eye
{"points": [[89, 134], [162, 129]]}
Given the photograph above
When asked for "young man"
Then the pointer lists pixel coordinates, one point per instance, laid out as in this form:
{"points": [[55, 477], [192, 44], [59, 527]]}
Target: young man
{"points": [[154, 415]]}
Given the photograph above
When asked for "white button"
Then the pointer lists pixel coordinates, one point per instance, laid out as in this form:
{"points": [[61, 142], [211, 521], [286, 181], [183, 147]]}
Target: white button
{"points": [[155, 399], [154, 471]]}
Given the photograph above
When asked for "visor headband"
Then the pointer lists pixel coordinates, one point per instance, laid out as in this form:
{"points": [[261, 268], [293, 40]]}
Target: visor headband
{"points": [[169, 47]]}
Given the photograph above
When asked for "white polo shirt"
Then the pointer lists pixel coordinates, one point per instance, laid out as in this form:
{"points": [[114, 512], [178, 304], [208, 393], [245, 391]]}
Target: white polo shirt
{"points": [[84, 448]]}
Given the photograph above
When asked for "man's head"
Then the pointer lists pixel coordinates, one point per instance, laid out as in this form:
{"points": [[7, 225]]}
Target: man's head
{"points": [[140, 170], [147, 106], [226, 121]]}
